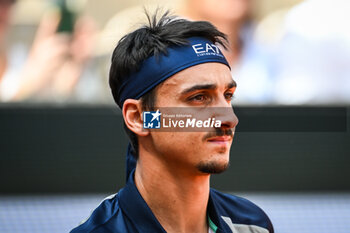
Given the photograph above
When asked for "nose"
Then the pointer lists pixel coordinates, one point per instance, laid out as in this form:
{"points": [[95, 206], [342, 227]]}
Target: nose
{"points": [[225, 113], [227, 117]]}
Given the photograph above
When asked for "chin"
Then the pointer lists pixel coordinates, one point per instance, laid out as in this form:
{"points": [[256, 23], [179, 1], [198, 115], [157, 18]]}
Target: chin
{"points": [[213, 167]]}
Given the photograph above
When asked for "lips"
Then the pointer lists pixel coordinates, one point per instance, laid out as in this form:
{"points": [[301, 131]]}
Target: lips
{"points": [[220, 139]]}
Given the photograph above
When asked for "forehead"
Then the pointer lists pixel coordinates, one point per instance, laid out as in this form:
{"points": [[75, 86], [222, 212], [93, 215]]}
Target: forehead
{"points": [[206, 73]]}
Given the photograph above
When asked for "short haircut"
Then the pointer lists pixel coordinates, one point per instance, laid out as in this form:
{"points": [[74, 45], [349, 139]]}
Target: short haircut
{"points": [[151, 40]]}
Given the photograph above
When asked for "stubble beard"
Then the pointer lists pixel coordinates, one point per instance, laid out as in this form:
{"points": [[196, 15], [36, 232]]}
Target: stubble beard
{"points": [[215, 167], [212, 167]]}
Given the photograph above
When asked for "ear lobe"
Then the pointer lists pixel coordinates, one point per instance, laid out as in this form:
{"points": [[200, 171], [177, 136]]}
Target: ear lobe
{"points": [[132, 113]]}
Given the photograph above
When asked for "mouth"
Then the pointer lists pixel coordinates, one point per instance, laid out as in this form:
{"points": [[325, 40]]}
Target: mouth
{"points": [[220, 139]]}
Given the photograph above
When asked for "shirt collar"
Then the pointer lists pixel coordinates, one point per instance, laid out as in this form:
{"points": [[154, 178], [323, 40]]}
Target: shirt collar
{"points": [[136, 209], [143, 219], [215, 211]]}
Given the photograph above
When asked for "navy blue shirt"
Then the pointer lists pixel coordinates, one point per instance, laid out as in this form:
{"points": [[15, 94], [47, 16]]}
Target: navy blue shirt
{"points": [[127, 212]]}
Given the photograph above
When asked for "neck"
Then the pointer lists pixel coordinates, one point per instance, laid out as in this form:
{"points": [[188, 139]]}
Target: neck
{"points": [[177, 199]]}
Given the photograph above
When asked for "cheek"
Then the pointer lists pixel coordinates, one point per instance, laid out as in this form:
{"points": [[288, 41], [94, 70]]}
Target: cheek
{"points": [[176, 145]]}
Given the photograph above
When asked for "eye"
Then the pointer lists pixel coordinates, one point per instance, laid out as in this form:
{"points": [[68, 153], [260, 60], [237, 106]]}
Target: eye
{"points": [[229, 96], [199, 98]]}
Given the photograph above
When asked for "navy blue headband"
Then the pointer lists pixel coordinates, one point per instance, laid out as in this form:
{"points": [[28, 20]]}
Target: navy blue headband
{"points": [[156, 69]]}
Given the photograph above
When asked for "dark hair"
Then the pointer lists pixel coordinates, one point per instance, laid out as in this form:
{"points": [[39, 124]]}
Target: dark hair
{"points": [[151, 40]]}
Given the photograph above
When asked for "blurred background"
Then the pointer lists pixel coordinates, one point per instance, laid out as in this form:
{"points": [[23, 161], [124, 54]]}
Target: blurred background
{"points": [[61, 139]]}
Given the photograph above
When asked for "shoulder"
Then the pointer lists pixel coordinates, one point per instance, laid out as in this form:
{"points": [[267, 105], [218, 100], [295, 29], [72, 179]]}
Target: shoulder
{"points": [[107, 217], [237, 210]]}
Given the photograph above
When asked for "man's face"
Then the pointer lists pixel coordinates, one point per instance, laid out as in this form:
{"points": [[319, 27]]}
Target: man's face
{"points": [[210, 86]]}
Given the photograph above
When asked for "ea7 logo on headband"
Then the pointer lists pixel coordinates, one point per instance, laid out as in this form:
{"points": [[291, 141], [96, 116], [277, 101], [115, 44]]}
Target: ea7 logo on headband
{"points": [[206, 49], [151, 120]]}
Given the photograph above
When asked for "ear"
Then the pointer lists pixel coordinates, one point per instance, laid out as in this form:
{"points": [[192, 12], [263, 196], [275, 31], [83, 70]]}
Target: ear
{"points": [[132, 113]]}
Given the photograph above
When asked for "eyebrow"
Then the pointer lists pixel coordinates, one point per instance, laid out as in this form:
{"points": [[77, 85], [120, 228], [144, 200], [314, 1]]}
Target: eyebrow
{"points": [[199, 87], [231, 84], [207, 87]]}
